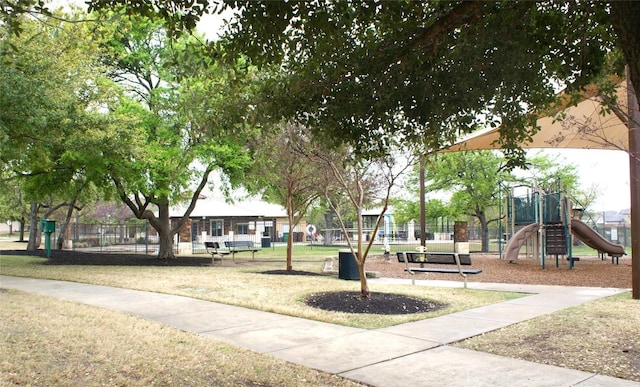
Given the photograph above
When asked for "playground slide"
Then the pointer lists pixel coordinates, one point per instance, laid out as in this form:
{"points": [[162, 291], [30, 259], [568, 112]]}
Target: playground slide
{"points": [[594, 240], [512, 248]]}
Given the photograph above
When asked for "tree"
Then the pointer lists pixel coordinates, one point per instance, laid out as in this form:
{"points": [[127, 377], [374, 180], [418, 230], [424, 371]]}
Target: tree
{"points": [[11, 205], [547, 171], [406, 210], [475, 179], [182, 122], [362, 182], [50, 84], [440, 64], [288, 176]]}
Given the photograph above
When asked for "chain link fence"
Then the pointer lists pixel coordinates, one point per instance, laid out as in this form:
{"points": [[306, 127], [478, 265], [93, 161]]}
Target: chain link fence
{"points": [[131, 237], [141, 238]]}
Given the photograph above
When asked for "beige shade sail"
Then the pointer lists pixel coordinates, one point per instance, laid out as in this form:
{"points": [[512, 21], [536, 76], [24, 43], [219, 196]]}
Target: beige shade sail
{"points": [[582, 126]]}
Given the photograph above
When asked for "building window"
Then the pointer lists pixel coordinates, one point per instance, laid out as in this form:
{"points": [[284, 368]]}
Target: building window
{"points": [[216, 228], [243, 228]]}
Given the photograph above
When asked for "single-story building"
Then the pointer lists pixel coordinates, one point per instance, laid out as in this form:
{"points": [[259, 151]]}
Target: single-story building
{"points": [[215, 220]]}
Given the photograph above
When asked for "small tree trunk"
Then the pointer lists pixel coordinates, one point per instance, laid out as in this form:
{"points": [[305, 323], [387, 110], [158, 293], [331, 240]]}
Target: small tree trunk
{"points": [[290, 240], [62, 232], [360, 258], [364, 285], [328, 228], [484, 230], [22, 222]]}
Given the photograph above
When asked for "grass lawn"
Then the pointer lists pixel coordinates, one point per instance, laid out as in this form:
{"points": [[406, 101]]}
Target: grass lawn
{"points": [[245, 285], [47, 342]]}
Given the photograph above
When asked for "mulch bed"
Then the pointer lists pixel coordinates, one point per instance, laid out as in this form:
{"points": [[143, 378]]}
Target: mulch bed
{"points": [[66, 257], [377, 303]]}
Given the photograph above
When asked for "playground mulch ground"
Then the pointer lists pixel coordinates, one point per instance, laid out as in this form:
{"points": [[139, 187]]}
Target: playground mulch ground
{"points": [[589, 271]]}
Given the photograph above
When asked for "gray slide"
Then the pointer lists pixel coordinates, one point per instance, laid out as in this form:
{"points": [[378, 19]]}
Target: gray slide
{"points": [[512, 248], [594, 240]]}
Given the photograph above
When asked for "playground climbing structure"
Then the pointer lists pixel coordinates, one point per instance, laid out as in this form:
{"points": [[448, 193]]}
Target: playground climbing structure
{"points": [[543, 222]]}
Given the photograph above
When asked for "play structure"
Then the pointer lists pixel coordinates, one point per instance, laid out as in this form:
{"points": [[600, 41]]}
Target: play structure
{"points": [[544, 222]]}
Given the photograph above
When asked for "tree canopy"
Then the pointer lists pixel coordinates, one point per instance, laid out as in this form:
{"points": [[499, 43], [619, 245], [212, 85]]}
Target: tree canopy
{"points": [[181, 122], [50, 86]]}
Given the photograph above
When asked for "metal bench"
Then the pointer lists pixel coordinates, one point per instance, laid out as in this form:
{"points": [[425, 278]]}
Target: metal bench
{"points": [[240, 246], [213, 248], [436, 258]]}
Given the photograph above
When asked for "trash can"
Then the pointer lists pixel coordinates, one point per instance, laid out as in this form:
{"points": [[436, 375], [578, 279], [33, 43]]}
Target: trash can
{"points": [[347, 266], [285, 237], [265, 242]]}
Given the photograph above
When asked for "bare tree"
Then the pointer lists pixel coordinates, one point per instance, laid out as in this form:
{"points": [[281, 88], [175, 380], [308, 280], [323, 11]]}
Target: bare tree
{"points": [[364, 183]]}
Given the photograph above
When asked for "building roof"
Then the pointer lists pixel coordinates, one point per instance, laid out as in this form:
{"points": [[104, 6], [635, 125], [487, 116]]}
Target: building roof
{"points": [[610, 217], [212, 207]]}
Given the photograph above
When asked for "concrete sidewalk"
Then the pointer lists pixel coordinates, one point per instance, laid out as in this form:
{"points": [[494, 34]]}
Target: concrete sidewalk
{"points": [[412, 354]]}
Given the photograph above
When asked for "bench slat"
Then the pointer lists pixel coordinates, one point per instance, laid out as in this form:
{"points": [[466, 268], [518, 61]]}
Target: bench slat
{"points": [[438, 257], [240, 246], [443, 270]]}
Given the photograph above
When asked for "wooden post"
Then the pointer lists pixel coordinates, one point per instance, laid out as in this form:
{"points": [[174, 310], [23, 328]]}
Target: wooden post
{"points": [[634, 181], [423, 226]]}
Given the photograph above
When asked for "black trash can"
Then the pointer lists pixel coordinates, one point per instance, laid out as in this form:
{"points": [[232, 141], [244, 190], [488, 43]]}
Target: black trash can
{"points": [[265, 242], [347, 266]]}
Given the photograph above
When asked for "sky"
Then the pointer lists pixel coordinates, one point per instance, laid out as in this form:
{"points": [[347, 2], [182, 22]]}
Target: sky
{"points": [[608, 169]]}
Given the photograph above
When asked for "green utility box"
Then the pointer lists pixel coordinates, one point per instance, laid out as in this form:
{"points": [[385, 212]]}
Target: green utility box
{"points": [[47, 226]]}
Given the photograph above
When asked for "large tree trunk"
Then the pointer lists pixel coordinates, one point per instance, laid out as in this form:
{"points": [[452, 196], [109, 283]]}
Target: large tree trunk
{"points": [[34, 230], [484, 230], [62, 231], [162, 224], [624, 17]]}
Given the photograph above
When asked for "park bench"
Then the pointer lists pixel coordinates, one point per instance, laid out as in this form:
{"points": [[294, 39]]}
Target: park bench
{"points": [[213, 248], [425, 259], [240, 246]]}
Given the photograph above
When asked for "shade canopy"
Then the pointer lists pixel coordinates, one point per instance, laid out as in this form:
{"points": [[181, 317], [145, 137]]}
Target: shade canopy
{"points": [[583, 126]]}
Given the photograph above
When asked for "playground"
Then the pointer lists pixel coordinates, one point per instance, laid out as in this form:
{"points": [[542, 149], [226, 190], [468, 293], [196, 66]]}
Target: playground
{"points": [[547, 223], [611, 351], [542, 230]]}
